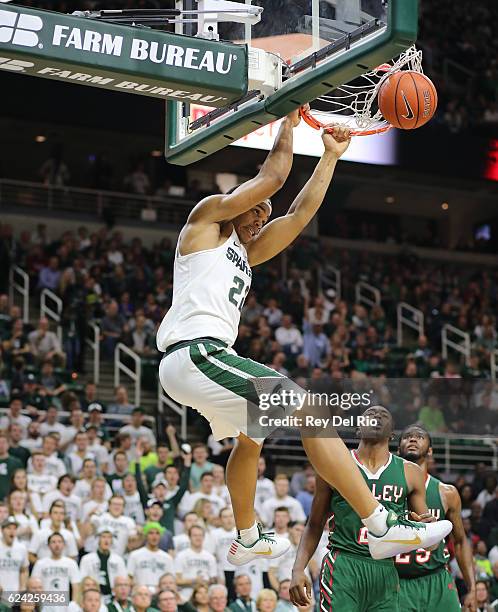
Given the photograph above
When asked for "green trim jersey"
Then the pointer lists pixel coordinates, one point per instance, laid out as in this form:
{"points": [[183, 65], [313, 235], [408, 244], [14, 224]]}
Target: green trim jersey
{"points": [[209, 290], [389, 487], [422, 562]]}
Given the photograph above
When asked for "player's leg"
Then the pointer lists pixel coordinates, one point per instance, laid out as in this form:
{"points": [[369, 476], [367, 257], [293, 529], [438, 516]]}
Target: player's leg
{"points": [[441, 593], [341, 584], [412, 596], [241, 477]]}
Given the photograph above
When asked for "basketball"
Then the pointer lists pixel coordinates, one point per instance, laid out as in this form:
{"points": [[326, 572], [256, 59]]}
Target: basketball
{"points": [[407, 99]]}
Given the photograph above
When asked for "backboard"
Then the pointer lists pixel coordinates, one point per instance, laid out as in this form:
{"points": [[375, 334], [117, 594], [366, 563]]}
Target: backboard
{"points": [[298, 50]]}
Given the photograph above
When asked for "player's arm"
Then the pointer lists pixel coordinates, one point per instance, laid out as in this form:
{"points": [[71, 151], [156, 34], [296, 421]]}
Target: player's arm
{"points": [[463, 552], [416, 490], [271, 177], [300, 588], [277, 235]]}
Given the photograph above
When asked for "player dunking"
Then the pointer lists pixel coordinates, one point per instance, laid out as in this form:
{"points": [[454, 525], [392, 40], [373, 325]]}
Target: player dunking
{"points": [[350, 580], [426, 585], [224, 237]]}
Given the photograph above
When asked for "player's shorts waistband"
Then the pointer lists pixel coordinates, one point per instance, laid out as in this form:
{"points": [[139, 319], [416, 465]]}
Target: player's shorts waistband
{"points": [[183, 343], [345, 553], [435, 572]]}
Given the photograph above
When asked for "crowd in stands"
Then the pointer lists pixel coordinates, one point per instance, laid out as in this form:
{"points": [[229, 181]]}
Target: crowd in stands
{"points": [[290, 324]]}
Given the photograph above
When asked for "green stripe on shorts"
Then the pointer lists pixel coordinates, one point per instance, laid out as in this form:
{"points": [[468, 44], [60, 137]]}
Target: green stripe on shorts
{"points": [[232, 372]]}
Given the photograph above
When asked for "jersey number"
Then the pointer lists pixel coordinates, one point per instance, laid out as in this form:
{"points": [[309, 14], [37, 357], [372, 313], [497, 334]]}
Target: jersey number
{"points": [[236, 291], [422, 556]]}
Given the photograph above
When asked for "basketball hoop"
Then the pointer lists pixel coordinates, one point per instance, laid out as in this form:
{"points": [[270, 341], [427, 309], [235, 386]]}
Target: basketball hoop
{"points": [[354, 104]]}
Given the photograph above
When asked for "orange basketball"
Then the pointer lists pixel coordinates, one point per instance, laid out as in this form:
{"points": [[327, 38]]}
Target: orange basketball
{"points": [[407, 99]]}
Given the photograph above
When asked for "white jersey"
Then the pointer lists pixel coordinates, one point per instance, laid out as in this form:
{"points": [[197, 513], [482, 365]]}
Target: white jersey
{"points": [[122, 527], [209, 289], [12, 560], [90, 566], [56, 574], [191, 564], [223, 540], [146, 567], [39, 543]]}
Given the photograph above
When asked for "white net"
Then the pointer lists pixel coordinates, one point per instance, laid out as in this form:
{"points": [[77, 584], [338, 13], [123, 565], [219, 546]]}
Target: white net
{"points": [[355, 104]]}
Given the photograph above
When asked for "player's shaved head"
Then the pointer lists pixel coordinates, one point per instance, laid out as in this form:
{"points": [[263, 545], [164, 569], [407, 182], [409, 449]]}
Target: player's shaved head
{"points": [[415, 444], [378, 424]]}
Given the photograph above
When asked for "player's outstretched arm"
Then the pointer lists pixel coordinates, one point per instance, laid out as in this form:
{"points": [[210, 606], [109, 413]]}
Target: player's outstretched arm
{"points": [[416, 491], [300, 588], [271, 177], [277, 235], [463, 552]]}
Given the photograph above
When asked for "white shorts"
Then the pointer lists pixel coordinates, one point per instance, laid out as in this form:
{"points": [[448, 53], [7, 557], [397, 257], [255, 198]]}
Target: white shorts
{"points": [[220, 385]]}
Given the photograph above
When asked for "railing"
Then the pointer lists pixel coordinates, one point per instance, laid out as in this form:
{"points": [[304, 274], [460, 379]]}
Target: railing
{"points": [[48, 312], [493, 364], [94, 344], [329, 277], [367, 294], [120, 366], [462, 346], [24, 194], [164, 400], [452, 453], [415, 321], [19, 281]]}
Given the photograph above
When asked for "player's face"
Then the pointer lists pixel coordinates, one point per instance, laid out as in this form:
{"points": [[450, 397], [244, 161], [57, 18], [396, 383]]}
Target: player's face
{"points": [[414, 444], [249, 224], [378, 424]]}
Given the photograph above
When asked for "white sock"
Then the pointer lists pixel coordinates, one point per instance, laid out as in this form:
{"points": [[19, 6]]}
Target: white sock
{"points": [[376, 523], [249, 536]]}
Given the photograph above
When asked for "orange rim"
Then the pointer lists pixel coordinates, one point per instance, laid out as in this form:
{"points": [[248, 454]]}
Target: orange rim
{"points": [[328, 127]]}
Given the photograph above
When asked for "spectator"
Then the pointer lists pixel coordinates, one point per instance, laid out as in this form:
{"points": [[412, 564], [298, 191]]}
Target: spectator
{"points": [[205, 492], [289, 337], [8, 465], [15, 433], [431, 416], [284, 603], [39, 546], [147, 564], [65, 493], [167, 601], [57, 571], [194, 564], [103, 565], [223, 538], [50, 275], [121, 601], [44, 344], [489, 492], [305, 497], [51, 423], [482, 597], [121, 404], [33, 441], [91, 600], [266, 601], [121, 469], [91, 396], [200, 465], [14, 415], [135, 496], [165, 458], [124, 529], [113, 326], [40, 481], [243, 601], [154, 513], [80, 453], [218, 597], [137, 429], [200, 598], [14, 557], [281, 499], [137, 181], [27, 524], [265, 488], [142, 599]]}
